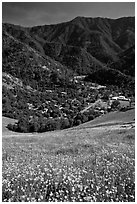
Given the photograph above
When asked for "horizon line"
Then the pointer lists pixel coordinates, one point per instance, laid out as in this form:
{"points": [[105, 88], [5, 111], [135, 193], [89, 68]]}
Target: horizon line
{"points": [[68, 21]]}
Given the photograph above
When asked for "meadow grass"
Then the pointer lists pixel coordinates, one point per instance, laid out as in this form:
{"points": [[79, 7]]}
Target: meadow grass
{"points": [[75, 165]]}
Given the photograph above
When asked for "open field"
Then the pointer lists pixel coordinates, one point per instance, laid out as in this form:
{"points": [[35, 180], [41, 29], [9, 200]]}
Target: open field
{"points": [[91, 162]]}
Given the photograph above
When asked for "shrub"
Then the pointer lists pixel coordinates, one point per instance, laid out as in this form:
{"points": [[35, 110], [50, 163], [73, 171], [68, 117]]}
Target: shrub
{"points": [[91, 117], [34, 127], [115, 104], [10, 126], [78, 122], [84, 118], [23, 124]]}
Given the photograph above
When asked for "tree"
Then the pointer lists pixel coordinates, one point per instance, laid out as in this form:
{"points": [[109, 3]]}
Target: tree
{"points": [[23, 125], [65, 123], [54, 77], [78, 122], [115, 104]]}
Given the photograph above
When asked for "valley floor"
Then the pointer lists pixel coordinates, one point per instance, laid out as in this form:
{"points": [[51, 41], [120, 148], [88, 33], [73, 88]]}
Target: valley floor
{"points": [[91, 162]]}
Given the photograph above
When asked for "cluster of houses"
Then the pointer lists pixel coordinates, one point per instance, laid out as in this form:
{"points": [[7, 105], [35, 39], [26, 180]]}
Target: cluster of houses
{"points": [[87, 91], [124, 102], [104, 106]]}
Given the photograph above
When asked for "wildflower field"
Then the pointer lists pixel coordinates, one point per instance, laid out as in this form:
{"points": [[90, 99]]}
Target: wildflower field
{"points": [[79, 164]]}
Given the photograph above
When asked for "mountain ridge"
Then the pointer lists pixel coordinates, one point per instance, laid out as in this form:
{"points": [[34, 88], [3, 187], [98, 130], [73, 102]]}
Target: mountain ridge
{"points": [[82, 44], [41, 65], [94, 35]]}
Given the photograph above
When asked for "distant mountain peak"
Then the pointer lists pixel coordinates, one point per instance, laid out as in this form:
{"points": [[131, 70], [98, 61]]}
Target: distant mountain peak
{"points": [[83, 44]]}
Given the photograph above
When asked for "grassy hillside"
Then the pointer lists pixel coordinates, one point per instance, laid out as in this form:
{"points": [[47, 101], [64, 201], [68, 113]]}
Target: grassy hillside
{"points": [[90, 162], [80, 164]]}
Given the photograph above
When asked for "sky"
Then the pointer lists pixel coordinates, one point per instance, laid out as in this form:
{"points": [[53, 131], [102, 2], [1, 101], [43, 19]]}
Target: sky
{"points": [[40, 13]]}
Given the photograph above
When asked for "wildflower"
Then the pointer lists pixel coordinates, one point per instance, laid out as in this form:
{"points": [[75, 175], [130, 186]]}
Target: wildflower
{"points": [[73, 189]]}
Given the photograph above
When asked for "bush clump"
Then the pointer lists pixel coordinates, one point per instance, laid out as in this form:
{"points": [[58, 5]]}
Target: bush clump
{"points": [[42, 124], [39, 124]]}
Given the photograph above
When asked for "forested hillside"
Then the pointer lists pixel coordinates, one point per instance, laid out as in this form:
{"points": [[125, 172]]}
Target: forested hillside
{"points": [[41, 64]]}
